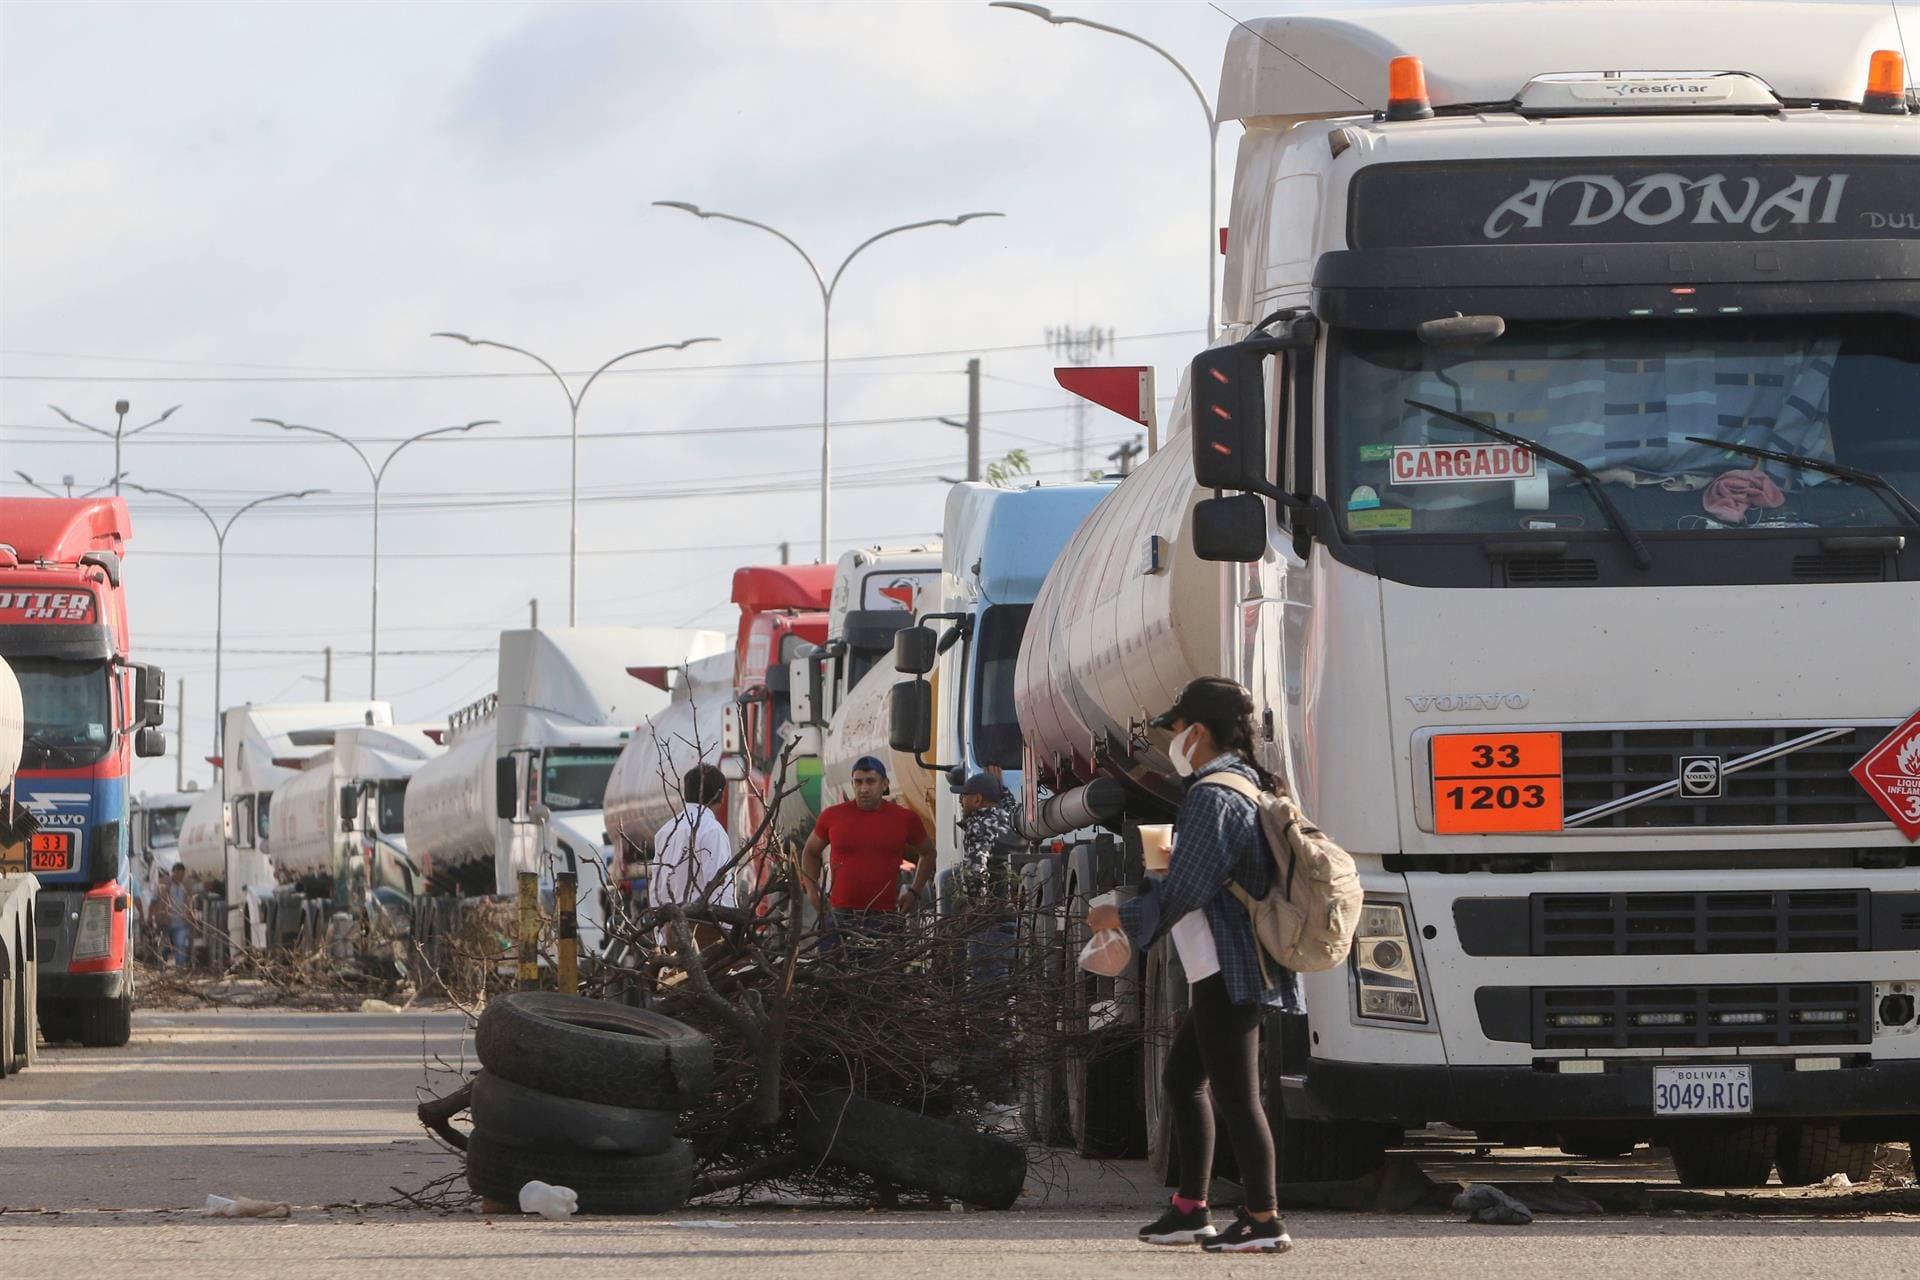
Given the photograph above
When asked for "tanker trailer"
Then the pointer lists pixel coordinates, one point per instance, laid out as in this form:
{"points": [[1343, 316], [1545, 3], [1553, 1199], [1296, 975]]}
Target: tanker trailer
{"points": [[644, 792]]}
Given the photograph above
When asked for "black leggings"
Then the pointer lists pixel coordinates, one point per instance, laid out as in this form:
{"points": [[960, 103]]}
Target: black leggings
{"points": [[1215, 1058]]}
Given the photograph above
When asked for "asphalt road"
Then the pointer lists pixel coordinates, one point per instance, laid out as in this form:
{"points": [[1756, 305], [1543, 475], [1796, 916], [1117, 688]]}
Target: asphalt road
{"points": [[107, 1155]]}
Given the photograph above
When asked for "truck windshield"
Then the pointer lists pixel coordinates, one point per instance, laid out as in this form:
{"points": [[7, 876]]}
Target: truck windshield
{"points": [[996, 730], [392, 802], [1622, 396], [576, 777], [68, 708], [163, 827]]}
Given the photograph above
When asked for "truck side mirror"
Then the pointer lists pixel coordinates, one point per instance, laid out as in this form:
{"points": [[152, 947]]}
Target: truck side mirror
{"points": [[910, 716], [505, 784], [149, 742], [349, 807], [1230, 417], [150, 696], [1233, 530], [915, 650], [803, 696]]}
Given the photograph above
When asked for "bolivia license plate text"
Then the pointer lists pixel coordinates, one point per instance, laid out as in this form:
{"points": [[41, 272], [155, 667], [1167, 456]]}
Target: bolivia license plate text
{"points": [[1702, 1091]]}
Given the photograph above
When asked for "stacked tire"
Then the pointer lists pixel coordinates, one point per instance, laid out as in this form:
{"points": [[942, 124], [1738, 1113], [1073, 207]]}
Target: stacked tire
{"points": [[584, 1094]]}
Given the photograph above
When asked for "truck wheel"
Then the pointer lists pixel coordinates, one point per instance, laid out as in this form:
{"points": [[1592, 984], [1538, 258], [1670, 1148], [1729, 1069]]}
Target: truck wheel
{"points": [[594, 1050], [910, 1149], [1810, 1153], [1158, 1017], [521, 1117], [1041, 1107], [8, 1062], [605, 1184], [59, 1021], [107, 1023], [1738, 1155]]}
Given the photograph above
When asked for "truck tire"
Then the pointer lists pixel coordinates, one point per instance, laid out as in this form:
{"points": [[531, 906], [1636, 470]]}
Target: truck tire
{"points": [[107, 1022], [1042, 1108], [1164, 1003], [517, 1116], [1736, 1155], [8, 1062], [605, 1184], [1813, 1152], [59, 1021], [594, 1051], [911, 1150]]}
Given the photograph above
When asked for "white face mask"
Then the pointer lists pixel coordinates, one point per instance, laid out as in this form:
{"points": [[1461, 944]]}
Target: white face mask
{"points": [[1178, 748]]}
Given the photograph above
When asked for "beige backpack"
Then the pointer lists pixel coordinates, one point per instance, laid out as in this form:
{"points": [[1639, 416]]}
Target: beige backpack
{"points": [[1307, 920]]}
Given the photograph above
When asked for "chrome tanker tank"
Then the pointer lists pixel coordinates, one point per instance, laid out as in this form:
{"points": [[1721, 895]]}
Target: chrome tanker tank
{"points": [[1126, 617], [644, 791], [450, 809]]}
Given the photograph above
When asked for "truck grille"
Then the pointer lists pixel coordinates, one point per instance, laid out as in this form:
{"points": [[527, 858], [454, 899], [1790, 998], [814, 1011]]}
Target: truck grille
{"points": [[1810, 786], [1673, 924], [1701, 1017]]}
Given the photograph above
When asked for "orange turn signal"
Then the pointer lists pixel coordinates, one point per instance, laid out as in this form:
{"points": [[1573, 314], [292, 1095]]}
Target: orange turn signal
{"points": [[1886, 84], [1407, 90]]}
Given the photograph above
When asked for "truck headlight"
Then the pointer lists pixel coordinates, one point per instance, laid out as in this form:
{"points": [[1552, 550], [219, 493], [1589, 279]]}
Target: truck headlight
{"points": [[1383, 968], [93, 938]]}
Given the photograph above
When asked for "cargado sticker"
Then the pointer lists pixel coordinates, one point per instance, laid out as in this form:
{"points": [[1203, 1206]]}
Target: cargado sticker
{"points": [[1460, 463]]}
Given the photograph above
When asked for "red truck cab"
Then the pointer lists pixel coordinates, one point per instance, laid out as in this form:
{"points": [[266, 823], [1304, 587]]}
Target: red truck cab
{"points": [[88, 710]]}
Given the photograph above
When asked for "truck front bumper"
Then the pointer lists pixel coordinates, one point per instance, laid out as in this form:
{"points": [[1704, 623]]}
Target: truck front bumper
{"points": [[83, 986], [1492, 1098]]}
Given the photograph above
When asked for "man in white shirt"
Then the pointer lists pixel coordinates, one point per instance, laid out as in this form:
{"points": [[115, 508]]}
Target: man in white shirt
{"points": [[692, 854]]}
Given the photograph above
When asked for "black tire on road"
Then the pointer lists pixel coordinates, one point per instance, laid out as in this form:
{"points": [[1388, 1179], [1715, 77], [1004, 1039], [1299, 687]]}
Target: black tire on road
{"points": [[1813, 1152], [594, 1050], [605, 1184], [912, 1150], [1733, 1155], [106, 1022], [522, 1117], [59, 1021]]}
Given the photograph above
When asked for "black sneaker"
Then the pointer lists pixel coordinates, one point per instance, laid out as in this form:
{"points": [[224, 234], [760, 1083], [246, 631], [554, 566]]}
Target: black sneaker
{"points": [[1175, 1227], [1248, 1236]]}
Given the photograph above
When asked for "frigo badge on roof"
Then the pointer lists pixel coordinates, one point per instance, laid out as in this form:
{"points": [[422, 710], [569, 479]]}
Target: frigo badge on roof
{"points": [[1660, 198], [1425, 702]]}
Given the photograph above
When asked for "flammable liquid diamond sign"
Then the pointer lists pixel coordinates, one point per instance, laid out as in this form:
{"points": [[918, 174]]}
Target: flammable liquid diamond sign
{"points": [[1890, 773]]}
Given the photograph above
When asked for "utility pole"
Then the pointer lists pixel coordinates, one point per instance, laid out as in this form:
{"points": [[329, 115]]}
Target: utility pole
{"points": [[180, 735], [1078, 347], [972, 424], [1124, 456], [786, 553], [533, 613], [326, 681]]}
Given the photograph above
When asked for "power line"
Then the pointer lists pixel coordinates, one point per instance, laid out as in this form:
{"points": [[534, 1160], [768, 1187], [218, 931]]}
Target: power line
{"points": [[863, 540], [638, 371]]}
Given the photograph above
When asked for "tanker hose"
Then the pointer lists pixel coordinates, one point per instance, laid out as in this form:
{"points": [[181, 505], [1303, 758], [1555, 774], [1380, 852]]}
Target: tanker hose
{"points": [[1072, 810]]}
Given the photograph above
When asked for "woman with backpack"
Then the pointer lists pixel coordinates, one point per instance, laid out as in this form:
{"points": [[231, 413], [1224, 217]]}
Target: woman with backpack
{"points": [[1215, 1055]]}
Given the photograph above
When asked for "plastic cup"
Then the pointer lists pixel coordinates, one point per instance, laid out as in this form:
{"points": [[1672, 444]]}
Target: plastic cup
{"points": [[1156, 846]]}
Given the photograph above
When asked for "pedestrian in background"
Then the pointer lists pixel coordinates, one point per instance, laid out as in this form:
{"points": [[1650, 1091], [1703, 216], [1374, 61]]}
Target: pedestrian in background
{"points": [[693, 855], [170, 915], [1215, 1056], [869, 837]]}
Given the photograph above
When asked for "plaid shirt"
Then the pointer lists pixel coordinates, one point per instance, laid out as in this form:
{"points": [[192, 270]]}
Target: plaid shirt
{"points": [[1217, 839]]}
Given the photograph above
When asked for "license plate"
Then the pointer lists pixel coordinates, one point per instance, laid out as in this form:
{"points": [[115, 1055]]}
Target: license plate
{"points": [[1702, 1091]]}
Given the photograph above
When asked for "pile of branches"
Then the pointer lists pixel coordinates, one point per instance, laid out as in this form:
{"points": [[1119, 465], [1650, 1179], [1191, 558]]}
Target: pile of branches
{"points": [[299, 977]]}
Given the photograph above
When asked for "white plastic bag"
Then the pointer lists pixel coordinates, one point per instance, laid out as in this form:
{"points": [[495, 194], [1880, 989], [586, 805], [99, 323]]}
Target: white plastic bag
{"points": [[242, 1207], [1110, 951], [550, 1202]]}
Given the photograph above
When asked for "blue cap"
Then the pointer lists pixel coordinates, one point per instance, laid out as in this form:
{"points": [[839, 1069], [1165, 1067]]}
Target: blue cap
{"points": [[984, 785], [869, 764]]}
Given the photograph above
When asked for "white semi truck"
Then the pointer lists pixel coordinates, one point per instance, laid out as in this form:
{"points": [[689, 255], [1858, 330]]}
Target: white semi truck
{"points": [[226, 836], [338, 830], [1546, 489], [522, 783], [643, 794], [18, 888]]}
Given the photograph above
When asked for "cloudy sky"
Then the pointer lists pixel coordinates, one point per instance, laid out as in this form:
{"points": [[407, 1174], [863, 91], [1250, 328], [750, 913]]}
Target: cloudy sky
{"points": [[264, 210]]}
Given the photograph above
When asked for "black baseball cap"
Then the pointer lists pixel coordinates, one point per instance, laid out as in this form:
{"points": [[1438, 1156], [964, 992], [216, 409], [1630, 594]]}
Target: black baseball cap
{"points": [[1209, 699], [984, 785]]}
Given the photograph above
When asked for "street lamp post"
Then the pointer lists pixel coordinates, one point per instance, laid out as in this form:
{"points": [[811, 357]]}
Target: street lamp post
{"points": [[1213, 133], [826, 321], [120, 408], [573, 430], [376, 474], [220, 577], [68, 482]]}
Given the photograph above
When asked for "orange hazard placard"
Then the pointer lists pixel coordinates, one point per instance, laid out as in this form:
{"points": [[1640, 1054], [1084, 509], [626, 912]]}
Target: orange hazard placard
{"points": [[1494, 783]]}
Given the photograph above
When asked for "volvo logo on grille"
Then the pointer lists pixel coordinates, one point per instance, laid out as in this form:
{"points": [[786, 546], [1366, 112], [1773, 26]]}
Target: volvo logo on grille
{"points": [[1700, 776]]}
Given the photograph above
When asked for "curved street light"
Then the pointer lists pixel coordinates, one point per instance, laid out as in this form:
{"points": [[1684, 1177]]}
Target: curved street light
{"points": [[120, 408], [826, 320], [376, 474], [1213, 131], [573, 418], [219, 579], [68, 481]]}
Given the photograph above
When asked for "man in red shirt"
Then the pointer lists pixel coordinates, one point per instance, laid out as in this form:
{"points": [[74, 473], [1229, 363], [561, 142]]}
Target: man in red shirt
{"points": [[870, 837]]}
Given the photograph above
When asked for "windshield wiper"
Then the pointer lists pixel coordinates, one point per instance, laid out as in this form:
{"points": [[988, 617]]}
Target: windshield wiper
{"points": [[1866, 479], [1641, 556]]}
